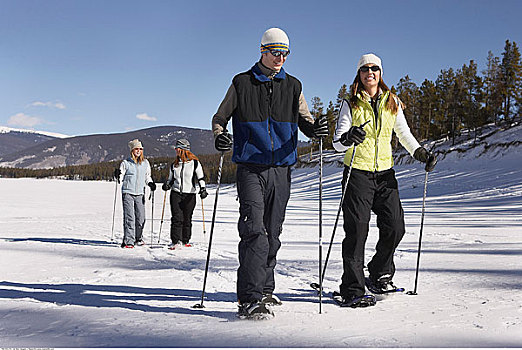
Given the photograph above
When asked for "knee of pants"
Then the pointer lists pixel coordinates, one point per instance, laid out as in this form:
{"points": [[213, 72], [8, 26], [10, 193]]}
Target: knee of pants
{"points": [[354, 241], [254, 248], [129, 222], [176, 221], [391, 229]]}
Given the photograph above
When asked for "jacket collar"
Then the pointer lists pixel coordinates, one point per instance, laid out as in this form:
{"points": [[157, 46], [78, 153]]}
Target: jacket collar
{"points": [[263, 74], [364, 96]]}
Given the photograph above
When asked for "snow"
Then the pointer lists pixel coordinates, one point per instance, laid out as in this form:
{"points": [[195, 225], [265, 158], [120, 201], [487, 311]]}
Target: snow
{"points": [[65, 284], [6, 129]]}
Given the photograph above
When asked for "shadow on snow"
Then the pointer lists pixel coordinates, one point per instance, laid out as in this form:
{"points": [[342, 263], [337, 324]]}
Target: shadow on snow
{"points": [[114, 296]]}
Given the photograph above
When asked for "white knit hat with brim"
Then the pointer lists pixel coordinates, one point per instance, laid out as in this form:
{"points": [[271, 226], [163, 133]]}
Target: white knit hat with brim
{"points": [[275, 39], [135, 144], [369, 58]]}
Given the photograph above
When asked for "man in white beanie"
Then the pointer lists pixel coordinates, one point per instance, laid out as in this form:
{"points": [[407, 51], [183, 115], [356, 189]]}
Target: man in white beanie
{"points": [[267, 108]]}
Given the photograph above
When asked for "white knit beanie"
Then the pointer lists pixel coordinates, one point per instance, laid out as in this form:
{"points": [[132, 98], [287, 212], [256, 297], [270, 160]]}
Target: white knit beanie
{"points": [[135, 144], [275, 39], [369, 58]]}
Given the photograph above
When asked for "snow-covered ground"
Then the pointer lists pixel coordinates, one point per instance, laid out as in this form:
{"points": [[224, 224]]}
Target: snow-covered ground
{"points": [[63, 283]]}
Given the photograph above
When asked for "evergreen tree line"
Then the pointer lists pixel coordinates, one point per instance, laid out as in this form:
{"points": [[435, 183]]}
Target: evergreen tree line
{"points": [[105, 170], [458, 99]]}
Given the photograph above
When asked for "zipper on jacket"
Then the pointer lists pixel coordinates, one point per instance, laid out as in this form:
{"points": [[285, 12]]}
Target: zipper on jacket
{"points": [[181, 177], [376, 120], [270, 93]]}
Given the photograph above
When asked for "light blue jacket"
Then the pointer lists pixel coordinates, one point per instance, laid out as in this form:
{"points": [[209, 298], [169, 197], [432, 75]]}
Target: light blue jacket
{"points": [[135, 176]]}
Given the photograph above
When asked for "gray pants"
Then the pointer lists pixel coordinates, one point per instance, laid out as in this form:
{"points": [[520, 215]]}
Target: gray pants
{"points": [[133, 218]]}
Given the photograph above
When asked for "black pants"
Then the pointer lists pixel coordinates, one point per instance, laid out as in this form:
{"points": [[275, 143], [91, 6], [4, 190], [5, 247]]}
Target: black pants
{"points": [[377, 192], [181, 208], [263, 195]]}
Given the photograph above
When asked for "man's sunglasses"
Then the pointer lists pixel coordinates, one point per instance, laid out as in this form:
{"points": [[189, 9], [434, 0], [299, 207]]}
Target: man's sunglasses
{"points": [[277, 53], [366, 69]]}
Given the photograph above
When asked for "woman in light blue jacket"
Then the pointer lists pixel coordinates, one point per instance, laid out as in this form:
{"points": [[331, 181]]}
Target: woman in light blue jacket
{"points": [[135, 174]]}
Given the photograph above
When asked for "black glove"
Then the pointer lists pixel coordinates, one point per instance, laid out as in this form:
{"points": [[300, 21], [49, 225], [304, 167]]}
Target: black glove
{"points": [[354, 136], [422, 155], [165, 187], [152, 186], [321, 126], [223, 142], [117, 173], [203, 193]]}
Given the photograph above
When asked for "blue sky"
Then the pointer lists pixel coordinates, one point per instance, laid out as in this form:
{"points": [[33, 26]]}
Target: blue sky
{"points": [[104, 66]]}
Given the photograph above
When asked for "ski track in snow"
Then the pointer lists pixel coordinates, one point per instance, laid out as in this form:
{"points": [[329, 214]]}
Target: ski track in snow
{"points": [[65, 284]]}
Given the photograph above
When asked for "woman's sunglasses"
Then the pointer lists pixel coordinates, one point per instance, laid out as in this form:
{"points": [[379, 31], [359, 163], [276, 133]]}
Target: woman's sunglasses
{"points": [[366, 69]]}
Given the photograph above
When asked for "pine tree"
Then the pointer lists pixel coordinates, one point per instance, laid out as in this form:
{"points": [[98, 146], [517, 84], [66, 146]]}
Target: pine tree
{"points": [[446, 89], [511, 73], [408, 92], [472, 97], [332, 121], [341, 95], [427, 110], [492, 89]]}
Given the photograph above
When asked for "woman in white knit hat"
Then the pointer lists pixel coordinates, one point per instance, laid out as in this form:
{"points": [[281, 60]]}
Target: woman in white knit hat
{"points": [[365, 126], [134, 173], [184, 174]]}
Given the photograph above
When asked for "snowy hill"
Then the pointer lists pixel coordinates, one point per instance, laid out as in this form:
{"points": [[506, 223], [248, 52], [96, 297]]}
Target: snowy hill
{"points": [[65, 284], [15, 140]]}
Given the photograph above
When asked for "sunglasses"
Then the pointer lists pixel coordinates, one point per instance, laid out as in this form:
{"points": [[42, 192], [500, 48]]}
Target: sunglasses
{"points": [[277, 53], [366, 69]]}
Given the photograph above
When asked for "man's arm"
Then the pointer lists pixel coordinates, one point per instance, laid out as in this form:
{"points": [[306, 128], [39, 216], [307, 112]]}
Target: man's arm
{"points": [[224, 112], [306, 121]]}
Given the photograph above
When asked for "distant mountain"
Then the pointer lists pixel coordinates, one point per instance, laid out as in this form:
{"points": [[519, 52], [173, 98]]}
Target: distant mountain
{"points": [[14, 140], [37, 151]]}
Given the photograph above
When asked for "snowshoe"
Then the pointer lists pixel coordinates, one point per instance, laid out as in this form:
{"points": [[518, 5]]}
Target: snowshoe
{"points": [[173, 246], [271, 299], [140, 242], [383, 285], [354, 301], [256, 310], [188, 245], [123, 245]]}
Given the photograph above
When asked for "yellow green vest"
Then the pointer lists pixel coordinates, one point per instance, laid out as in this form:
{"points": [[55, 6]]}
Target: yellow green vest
{"points": [[375, 153]]}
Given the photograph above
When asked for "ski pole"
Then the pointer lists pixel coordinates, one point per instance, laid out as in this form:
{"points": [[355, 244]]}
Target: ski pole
{"points": [[414, 292], [114, 209], [200, 305], [203, 215], [152, 218], [320, 223], [162, 213], [318, 286]]}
